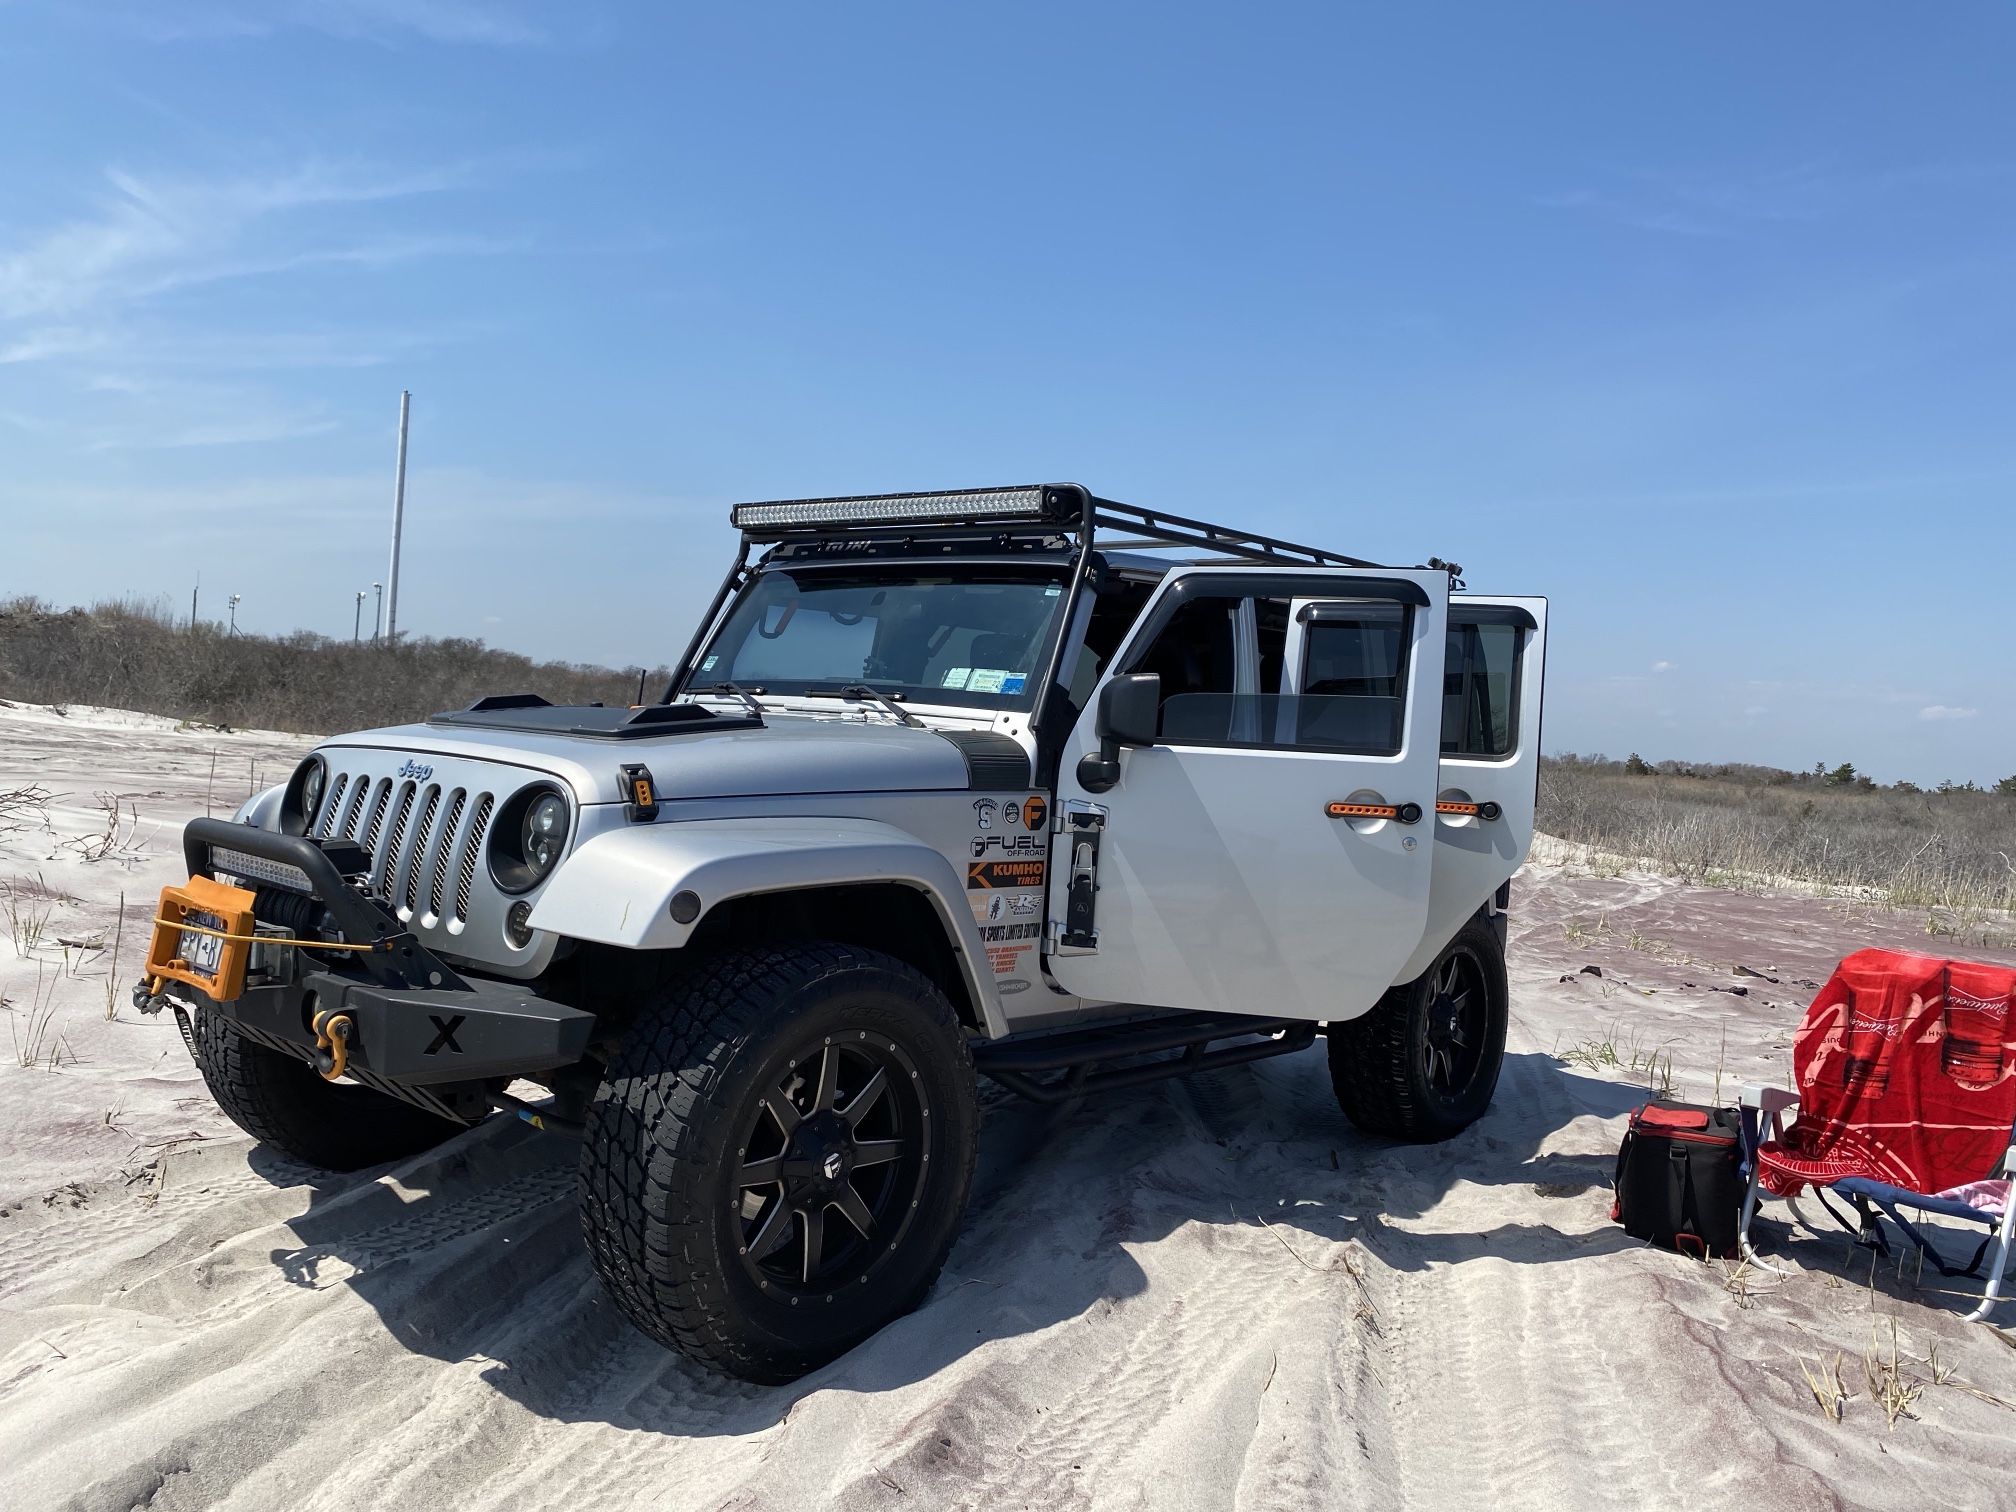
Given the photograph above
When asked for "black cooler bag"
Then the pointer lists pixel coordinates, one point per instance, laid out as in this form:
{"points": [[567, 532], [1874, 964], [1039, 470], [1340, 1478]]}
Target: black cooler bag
{"points": [[1679, 1178]]}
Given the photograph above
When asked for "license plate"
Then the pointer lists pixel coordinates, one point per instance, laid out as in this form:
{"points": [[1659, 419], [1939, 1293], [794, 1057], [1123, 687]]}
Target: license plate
{"points": [[203, 952]]}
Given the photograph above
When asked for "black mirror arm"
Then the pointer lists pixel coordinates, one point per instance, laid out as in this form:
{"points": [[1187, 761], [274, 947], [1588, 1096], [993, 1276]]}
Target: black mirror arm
{"points": [[1099, 772]]}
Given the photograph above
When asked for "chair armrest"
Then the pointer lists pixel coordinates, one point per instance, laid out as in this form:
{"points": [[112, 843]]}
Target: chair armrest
{"points": [[2009, 1161], [1771, 1101]]}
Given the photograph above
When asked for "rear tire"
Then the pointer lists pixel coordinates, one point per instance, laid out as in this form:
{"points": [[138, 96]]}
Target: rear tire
{"points": [[281, 1101], [1423, 1064], [778, 1158]]}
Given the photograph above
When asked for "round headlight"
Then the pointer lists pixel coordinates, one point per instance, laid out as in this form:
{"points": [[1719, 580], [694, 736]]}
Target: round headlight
{"points": [[313, 780], [528, 839], [545, 832]]}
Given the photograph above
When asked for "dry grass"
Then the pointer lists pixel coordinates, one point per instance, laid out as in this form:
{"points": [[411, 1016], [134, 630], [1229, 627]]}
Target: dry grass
{"points": [[24, 807], [1953, 852], [1651, 1066], [1890, 1388], [134, 655], [36, 1039], [26, 917], [112, 969], [117, 835], [1830, 1392]]}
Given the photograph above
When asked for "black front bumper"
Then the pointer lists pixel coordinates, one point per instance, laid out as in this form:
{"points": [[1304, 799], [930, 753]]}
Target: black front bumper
{"points": [[415, 1020], [419, 1036]]}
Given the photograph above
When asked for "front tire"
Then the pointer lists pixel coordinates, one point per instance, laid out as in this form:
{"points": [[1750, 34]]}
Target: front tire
{"points": [[281, 1101], [1423, 1064], [778, 1158]]}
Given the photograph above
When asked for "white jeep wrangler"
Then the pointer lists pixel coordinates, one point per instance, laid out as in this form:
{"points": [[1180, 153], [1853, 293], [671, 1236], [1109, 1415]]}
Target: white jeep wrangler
{"points": [[945, 783]]}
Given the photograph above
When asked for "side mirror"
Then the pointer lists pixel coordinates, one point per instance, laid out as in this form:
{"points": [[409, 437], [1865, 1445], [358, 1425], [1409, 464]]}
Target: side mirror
{"points": [[1130, 709]]}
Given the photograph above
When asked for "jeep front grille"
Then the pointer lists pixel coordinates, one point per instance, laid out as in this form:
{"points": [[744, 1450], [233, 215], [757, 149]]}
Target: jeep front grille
{"points": [[429, 834]]}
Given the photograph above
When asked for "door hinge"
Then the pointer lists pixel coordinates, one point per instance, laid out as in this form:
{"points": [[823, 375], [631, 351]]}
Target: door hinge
{"points": [[1084, 826]]}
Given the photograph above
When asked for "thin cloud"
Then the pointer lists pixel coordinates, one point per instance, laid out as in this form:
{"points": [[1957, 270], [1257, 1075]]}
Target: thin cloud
{"points": [[450, 22], [1946, 711], [1662, 666], [150, 235]]}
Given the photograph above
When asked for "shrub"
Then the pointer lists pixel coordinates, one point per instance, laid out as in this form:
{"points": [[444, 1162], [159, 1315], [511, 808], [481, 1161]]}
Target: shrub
{"points": [[1955, 848], [133, 655]]}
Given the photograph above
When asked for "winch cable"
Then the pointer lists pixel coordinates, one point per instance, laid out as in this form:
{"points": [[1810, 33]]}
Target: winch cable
{"points": [[259, 939]]}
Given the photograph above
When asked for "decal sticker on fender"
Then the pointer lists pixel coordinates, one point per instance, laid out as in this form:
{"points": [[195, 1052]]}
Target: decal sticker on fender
{"points": [[1013, 876], [1007, 960], [1007, 902], [1008, 845], [991, 906]]}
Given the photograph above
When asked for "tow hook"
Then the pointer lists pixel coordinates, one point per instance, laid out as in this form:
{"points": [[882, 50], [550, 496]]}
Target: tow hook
{"points": [[332, 1043], [150, 997]]}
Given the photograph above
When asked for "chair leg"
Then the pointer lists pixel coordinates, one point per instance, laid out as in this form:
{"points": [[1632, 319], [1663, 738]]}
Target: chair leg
{"points": [[1743, 1245], [1993, 1290]]}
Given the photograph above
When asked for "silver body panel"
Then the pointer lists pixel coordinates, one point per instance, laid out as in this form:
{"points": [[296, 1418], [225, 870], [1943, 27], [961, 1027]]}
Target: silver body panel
{"points": [[797, 753]]}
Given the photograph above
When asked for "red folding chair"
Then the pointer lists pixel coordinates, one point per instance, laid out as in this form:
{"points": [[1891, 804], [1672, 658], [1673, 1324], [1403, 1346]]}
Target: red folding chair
{"points": [[1907, 1099]]}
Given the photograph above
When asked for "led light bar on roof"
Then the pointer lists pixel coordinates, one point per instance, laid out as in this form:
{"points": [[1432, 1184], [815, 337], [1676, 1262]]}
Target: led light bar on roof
{"points": [[1032, 503]]}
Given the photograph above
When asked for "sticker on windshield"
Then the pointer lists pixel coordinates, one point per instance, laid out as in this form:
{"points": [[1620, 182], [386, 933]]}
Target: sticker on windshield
{"points": [[708, 665], [1053, 591], [986, 679], [1014, 684], [956, 678]]}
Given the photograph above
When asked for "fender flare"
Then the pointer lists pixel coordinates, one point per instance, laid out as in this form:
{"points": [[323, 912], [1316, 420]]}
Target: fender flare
{"points": [[617, 887]]}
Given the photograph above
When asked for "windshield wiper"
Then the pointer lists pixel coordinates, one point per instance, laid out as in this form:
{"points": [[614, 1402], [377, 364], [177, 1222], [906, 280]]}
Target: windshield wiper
{"points": [[862, 693], [748, 699]]}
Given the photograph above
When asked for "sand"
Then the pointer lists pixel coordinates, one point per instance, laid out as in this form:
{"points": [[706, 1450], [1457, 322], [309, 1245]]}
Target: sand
{"points": [[1205, 1294]]}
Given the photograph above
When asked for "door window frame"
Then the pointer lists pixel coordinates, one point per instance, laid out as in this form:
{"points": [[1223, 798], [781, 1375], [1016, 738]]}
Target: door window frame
{"points": [[1525, 627], [1244, 588]]}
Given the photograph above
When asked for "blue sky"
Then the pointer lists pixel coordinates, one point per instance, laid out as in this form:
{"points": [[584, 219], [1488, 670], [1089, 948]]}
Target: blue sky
{"points": [[1699, 321]]}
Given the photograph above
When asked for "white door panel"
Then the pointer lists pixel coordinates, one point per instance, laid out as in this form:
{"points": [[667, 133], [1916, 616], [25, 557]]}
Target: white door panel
{"points": [[1224, 885], [1475, 855]]}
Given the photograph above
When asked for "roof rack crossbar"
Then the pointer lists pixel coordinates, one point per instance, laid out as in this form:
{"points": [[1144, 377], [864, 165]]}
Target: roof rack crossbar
{"points": [[1153, 527]]}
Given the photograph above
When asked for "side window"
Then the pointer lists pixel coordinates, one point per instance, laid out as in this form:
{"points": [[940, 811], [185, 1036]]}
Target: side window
{"points": [[1354, 678], [1479, 690], [1113, 614], [1194, 656]]}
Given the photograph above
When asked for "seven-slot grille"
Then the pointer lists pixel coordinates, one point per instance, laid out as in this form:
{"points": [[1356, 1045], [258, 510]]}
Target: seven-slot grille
{"points": [[425, 841]]}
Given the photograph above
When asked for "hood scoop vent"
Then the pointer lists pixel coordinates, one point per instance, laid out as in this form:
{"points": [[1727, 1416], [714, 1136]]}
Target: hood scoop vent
{"points": [[530, 713]]}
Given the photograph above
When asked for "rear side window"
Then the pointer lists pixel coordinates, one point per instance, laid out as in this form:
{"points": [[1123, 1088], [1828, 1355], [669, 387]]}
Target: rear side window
{"points": [[1354, 679], [1480, 687]]}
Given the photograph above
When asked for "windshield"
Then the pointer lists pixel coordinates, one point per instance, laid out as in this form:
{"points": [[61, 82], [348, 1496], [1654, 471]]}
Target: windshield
{"points": [[975, 639]]}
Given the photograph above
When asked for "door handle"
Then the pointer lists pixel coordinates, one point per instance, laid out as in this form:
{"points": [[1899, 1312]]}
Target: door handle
{"points": [[1485, 810], [1403, 813]]}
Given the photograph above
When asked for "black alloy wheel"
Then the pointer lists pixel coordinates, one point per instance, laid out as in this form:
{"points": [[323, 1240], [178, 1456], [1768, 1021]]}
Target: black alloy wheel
{"points": [[1458, 1016], [778, 1158], [833, 1161], [1422, 1065]]}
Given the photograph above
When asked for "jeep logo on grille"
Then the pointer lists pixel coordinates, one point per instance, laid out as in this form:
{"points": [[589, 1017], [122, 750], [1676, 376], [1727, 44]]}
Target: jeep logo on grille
{"points": [[418, 771]]}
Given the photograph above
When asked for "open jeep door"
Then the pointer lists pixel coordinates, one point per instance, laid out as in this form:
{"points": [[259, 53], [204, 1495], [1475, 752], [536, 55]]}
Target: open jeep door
{"points": [[1495, 663], [1271, 852]]}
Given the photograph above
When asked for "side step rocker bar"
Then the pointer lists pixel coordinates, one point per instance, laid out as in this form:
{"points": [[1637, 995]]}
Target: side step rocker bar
{"points": [[1087, 1057]]}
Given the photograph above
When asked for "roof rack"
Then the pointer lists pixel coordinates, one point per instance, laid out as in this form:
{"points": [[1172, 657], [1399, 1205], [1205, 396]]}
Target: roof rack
{"points": [[1156, 529], [1057, 510], [1049, 508]]}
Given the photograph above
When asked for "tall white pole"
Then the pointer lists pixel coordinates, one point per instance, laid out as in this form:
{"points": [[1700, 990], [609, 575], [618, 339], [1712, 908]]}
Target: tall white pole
{"points": [[398, 523]]}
